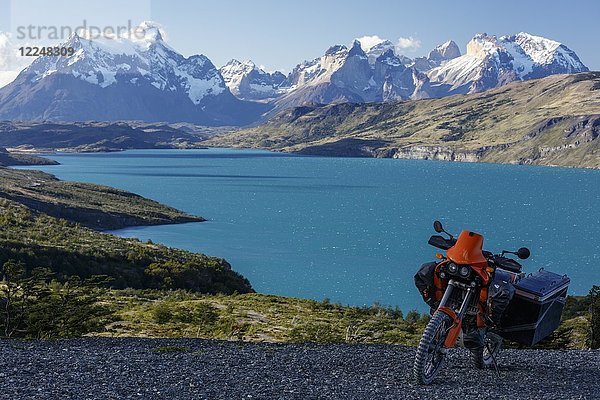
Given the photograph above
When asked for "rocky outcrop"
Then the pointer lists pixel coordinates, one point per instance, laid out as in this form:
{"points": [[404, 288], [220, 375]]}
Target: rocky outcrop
{"points": [[437, 153], [577, 131]]}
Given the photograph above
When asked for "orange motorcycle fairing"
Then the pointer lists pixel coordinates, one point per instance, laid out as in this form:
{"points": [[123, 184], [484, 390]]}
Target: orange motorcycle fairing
{"points": [[468, 250], [455, 329]]}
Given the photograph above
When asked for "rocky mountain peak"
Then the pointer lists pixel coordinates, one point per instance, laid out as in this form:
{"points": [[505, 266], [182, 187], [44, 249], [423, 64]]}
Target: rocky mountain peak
{"points": [[247, 81], [389, 58], [151, 31], [356, 50], [378, 49], [336, 49], [444, 52], [373, 71], [482, 45]]}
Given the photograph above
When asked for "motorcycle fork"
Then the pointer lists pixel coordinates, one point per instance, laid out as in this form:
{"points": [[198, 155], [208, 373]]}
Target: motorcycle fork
{"points": [[457, 317]]}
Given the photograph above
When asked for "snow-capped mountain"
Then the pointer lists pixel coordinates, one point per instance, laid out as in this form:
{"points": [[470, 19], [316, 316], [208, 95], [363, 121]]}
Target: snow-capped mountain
{"points": [[342, 74], [444, 52], [360, 74], [438, 56], [142, 78], [247, 81], [376, 72], [491, 62]]}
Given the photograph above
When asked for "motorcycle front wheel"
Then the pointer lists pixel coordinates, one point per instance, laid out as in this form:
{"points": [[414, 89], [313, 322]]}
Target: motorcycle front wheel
{"points": [[431, 351]]}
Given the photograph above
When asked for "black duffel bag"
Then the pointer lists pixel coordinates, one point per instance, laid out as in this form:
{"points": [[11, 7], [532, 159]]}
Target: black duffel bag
{"points": [[500, 293], [424, 282]]}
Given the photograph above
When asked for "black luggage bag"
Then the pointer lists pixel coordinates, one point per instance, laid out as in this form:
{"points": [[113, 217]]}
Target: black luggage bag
{"points": [[536, 308]]}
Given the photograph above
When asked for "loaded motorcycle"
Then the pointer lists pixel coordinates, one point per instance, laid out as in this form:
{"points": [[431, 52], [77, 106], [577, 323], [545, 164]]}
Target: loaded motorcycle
{"points": [[470, 291]]}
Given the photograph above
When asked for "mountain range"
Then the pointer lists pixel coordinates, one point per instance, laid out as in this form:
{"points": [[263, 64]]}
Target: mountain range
{"points": [[549, 121], [144, 79], [120, 79]]}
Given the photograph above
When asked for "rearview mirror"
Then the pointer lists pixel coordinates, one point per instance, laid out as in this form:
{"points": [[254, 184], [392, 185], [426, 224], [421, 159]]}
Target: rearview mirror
{"points": [[437, 226], [523, 253]]}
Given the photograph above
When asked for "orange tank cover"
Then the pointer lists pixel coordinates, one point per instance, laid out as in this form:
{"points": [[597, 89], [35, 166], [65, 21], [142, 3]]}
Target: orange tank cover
{"points": [[467, 249]]}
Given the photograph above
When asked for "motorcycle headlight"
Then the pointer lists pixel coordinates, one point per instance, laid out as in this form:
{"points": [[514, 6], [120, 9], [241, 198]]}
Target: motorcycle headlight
{"points": [[464, 271], [452, 268]]}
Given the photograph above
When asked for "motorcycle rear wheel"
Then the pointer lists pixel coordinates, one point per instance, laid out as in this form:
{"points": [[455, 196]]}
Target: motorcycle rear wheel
{"points": [[431, 352]]}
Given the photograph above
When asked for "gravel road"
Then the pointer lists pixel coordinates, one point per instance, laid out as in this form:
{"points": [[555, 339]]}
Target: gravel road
{"points": [[203, 369]]}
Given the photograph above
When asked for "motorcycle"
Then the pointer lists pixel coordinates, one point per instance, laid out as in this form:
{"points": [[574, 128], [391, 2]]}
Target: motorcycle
{"points": [[461, 284]]}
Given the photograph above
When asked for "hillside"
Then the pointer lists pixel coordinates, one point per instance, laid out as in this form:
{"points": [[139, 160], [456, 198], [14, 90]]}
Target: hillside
{"points": [[94, 206], [549, 121], [101, 136], [66, 248], [44, 222], [7, 159]]}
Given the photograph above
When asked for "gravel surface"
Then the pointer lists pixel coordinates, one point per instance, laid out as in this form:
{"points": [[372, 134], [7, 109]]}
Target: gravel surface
{"points": [[203, 369]]}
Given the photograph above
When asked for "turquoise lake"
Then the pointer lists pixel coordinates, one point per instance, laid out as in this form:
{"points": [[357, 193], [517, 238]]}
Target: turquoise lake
{"points": [[353, 230]]}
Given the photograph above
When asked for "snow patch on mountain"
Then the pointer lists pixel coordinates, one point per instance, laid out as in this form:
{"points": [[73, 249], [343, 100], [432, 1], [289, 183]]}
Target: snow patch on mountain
{"points": [[490, 62], [248, 81], [543, 51]]}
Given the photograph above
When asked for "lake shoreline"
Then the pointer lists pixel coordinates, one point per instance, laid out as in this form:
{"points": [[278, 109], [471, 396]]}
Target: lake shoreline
{"points": [[441, 154], [348, 229], [101, 208], [420, 153]]}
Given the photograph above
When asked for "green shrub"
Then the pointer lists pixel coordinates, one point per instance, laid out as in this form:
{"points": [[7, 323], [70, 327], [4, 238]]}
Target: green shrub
{"points": [[413, 317], [170, 349], [205, 314], [162, 312], [317, 332], [37, 306]]}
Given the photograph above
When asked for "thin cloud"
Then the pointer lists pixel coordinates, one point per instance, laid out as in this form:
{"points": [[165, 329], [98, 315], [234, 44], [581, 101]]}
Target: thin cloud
{"points": [[367, 42], [408, 43], [11, 62], [402, 44]]}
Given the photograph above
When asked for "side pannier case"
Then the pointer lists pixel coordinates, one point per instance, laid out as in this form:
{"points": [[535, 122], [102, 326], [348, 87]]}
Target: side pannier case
{"points": [[536, 308]]}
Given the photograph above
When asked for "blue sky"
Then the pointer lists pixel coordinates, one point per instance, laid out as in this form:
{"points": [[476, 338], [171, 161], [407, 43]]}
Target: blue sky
{"points": [[279, 34]]}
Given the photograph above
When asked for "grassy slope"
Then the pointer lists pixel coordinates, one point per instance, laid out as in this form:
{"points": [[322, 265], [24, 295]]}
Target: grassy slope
{"points": [[91, 205], [256, 317], [265, 318], [464, 123], [39, 240]]}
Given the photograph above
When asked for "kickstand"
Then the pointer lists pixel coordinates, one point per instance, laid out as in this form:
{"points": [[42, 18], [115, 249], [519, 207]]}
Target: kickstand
{"points": [[493, 359]]}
